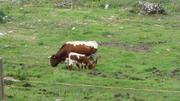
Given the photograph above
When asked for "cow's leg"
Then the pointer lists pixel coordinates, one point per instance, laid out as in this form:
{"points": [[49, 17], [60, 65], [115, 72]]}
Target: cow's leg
{"points": [[70, 67], [83, 65], [80, 65], [70, 64], [67, 66]]}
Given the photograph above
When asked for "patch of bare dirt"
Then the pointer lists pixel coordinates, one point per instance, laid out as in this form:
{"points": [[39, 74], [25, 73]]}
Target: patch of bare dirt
{"points": [[120, 75], [175, 73], [128, 66], [140, 47], [151, 69], [110, 20], [27, 84], [127, 96], [97, 73], [154, 71], [135, 78], [157, 72], [107, 35], [43, 91]]}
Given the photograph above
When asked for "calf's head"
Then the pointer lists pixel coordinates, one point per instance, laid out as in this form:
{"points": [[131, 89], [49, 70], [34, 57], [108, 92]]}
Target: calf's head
{"points": [[92, 64]]}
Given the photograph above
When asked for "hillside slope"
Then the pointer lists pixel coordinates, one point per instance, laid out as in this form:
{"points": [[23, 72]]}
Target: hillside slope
{"points": [[140, 54]]}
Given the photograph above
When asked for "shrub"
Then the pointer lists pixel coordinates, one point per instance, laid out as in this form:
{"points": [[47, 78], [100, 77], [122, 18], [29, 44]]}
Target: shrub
{"points": [[2, 16]]}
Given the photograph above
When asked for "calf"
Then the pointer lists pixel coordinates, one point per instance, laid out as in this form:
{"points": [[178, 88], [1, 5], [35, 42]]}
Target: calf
{"points": [[80, 60]]}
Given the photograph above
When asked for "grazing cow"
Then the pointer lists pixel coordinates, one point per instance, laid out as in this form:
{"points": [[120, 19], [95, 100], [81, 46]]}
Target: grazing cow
{"points": [[80, 60], [88, 48]]}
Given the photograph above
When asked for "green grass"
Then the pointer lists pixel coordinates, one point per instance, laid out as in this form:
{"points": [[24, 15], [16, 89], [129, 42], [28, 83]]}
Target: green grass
{"points": [[146, 56]]}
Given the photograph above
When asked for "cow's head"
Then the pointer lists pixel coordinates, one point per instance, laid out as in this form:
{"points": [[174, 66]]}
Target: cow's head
{"points": [[55, 60]]}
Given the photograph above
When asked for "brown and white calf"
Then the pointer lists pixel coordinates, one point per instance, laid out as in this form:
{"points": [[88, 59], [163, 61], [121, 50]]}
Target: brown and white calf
{"points": [[88, 48], [80, 60]]}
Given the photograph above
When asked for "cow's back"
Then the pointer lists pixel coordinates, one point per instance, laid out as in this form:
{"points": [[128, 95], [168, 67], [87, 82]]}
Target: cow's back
{"points": [[81, 49]]}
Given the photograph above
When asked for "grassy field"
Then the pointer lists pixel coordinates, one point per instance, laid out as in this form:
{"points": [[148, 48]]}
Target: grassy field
{"points": [[140, 54]]}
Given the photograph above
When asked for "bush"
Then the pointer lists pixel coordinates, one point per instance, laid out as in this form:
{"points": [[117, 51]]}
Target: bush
{"points": [[169, 5], [2, 16]]}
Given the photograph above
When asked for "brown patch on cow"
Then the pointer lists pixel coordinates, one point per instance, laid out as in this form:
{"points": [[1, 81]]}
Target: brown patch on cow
{"points": [[140, 47]]}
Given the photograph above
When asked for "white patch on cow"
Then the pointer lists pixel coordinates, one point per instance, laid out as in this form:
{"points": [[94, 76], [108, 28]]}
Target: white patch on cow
{"points": [[67, 60], [87, 43], [76, 54], [83, 64]]}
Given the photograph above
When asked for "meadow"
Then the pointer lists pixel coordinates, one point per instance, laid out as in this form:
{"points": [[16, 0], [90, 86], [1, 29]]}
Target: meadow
{"points": [[139, 54]]}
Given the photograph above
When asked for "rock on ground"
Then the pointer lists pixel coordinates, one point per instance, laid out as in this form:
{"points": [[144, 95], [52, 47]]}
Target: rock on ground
{"points": [[150, 8]]}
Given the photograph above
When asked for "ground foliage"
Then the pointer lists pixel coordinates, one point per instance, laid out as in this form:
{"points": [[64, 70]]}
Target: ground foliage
{"points": [[140, 54]]}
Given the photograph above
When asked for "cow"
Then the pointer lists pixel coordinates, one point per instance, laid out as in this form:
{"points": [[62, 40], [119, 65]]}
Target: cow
{"points": [[80, 60], [88, 48]]}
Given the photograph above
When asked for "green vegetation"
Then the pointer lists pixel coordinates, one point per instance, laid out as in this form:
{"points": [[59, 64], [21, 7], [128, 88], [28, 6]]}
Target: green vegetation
{"points": [[137, 51], [2, 15]]}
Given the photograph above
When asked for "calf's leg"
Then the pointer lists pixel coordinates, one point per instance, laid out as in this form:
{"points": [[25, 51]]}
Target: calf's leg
{"points": [[69, 67]]}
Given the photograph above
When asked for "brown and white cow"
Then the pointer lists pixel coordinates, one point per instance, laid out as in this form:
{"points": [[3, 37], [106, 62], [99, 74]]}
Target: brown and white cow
{"points": [[88, 48], [80, 60]]}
